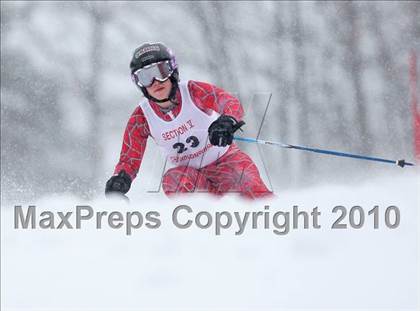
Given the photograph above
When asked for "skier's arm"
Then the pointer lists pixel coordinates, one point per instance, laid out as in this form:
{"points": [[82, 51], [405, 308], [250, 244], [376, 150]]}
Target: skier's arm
{"points": [[209, 97], [134, 144]]}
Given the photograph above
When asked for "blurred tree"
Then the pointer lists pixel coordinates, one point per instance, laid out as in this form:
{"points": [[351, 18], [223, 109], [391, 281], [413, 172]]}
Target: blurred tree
{"points": [[30, 129], [212, 19], [89, 148], [29, 112], [335, 121], [99, 16], [351, 31], [282, 95], [303, 105], [393, 97]]}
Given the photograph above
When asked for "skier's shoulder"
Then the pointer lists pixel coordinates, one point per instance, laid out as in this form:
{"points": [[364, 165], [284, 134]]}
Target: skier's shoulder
{"points": [[137, 116], [204, 90], [201, 86]]}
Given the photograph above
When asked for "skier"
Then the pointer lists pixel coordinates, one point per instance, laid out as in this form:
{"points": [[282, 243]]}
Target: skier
{"points": [[193, 123]]}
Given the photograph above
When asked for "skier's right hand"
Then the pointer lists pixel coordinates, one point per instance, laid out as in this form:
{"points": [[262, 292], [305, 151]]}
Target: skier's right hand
{"points": [[118, 183], [221, 131]]}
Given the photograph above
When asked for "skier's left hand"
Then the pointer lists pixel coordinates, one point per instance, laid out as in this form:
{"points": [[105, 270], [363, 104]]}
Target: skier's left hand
{"points": [[221, 131]]}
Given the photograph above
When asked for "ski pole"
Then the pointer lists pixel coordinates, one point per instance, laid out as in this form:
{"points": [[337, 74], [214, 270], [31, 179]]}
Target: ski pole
{"points": [[401, 163]]}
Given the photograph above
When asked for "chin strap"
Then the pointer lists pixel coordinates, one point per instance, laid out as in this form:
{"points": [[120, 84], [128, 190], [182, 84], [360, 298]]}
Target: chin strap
{"points": [[170, 108]]}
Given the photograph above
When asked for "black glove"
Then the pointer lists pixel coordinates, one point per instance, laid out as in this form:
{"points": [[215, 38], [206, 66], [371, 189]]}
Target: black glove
{"points": [[118, 183], [221, 131]]}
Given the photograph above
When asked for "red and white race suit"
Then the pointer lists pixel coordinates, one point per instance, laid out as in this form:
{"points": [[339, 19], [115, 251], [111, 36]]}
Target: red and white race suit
{"points": [[182, 135]]}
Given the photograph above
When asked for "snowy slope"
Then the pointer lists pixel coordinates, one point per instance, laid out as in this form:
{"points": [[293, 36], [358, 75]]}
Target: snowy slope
{"points": [[192, 269]]}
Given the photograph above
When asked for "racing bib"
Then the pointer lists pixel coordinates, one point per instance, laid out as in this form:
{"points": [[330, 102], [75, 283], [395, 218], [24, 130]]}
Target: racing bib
{"points": [[184, 140]]}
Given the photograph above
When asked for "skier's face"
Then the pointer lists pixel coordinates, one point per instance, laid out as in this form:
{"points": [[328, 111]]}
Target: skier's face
{"points": [[160, 90]]}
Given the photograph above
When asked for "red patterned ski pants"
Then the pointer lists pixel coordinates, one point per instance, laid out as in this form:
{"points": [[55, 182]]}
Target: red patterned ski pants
{"points": [[233, 172]]}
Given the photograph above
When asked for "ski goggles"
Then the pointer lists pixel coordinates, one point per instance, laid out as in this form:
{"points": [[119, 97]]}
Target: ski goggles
{"points": [[145, 76]]}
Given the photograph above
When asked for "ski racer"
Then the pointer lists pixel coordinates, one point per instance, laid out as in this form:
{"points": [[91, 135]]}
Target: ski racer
{"points": [[193, 123]]}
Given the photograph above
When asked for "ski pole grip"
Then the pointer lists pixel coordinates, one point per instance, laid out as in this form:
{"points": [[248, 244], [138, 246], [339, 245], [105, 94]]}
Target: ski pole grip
{"points": [[238, 126]]}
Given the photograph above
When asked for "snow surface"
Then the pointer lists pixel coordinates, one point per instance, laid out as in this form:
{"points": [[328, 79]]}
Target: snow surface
{"points": [[192, 269]]}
